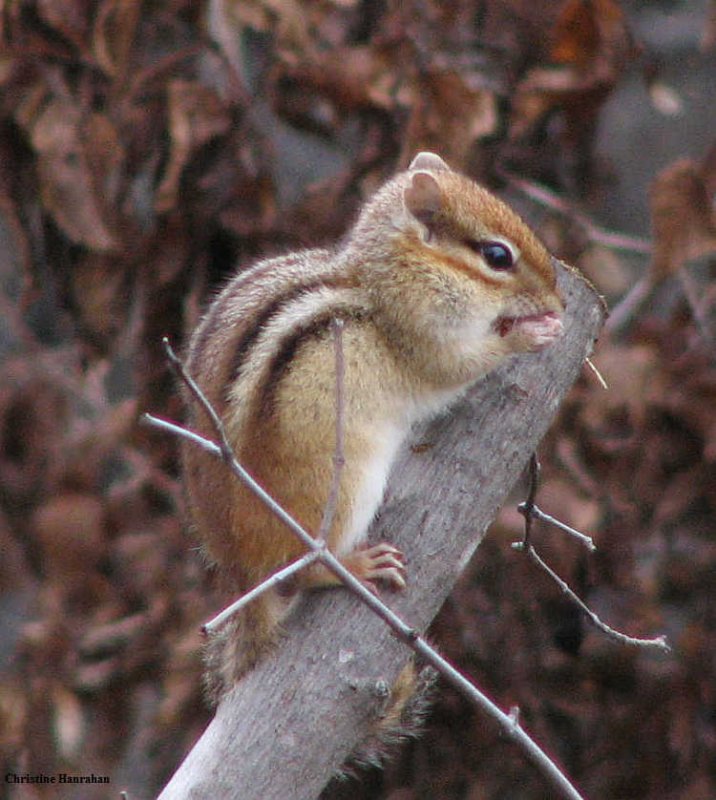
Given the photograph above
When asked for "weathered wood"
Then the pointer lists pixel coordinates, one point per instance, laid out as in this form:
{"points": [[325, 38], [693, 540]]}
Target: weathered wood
{"points": [[291, 722]]}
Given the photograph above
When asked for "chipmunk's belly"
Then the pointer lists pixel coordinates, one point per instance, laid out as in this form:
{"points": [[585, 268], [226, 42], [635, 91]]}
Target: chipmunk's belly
{"points": [[386, 437], [371, 485]]}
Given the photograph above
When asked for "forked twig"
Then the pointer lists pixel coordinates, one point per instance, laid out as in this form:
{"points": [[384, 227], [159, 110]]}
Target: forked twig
{"points": [[658, 642], [269, 583], [530, 511]]}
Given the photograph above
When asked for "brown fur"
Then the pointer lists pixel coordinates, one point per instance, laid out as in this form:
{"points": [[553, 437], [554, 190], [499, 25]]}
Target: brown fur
{"points": [[421, 313]]}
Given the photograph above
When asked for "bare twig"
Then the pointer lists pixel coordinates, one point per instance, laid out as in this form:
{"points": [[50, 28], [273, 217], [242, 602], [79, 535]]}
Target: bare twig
{"points": [[701, 301], [658, 642], [527, 507], [329, 511], [622, 313], [270, 582], [224, 451], [597, 374], [642, 291], [533, 511], [595, 233], [508, 722], [529, 510]]}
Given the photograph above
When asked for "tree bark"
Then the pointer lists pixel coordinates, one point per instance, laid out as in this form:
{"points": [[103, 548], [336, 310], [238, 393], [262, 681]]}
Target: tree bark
{"points": [[292, 721]]}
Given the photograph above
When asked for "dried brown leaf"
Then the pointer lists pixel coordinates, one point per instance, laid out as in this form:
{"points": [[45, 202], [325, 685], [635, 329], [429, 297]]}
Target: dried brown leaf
{"points": [[196, 116], [13, 715], [674, 500], [605, 268], [592, 45], [634, 379], [582, 30], [114, 32], [111, 637], [352, 78], [31, 406], [70, 20], [449, 115], [98, 292], [683, 218], [69, 145], [104, 151], [69, 531], [253, 14], [287, 19]]}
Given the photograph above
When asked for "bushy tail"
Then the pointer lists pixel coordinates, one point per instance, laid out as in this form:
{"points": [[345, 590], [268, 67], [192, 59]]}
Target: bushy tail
{"points": [[240, 643], [406, 709]]}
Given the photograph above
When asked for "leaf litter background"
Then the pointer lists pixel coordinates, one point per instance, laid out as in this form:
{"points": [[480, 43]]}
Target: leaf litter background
{"points": [[148, 148]]}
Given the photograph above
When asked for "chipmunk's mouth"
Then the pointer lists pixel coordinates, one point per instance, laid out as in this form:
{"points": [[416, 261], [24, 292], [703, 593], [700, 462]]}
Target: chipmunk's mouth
{"points": [[543, 328]]}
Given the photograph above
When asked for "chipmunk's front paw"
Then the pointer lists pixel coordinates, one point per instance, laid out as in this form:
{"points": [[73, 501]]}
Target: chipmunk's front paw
{"points": [[381, 562]]}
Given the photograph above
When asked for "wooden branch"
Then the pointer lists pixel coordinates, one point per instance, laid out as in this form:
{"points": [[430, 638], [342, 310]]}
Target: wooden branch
{"points": [[291, 722]]}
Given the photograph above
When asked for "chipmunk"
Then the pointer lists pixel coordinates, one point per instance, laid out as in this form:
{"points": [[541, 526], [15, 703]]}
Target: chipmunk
{"points": [[437, 283]]}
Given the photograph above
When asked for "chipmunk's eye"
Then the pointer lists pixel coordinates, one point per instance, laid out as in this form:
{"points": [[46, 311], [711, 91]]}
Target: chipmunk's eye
{"points": [[497, 255]]}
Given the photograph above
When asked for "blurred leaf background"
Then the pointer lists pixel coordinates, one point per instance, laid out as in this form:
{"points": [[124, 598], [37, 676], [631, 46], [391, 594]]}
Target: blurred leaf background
{"points": [[146, 149]]}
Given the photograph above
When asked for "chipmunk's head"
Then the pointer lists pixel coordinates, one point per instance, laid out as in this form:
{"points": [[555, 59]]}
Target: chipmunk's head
{"points": [[485, 245], [446, 258]]}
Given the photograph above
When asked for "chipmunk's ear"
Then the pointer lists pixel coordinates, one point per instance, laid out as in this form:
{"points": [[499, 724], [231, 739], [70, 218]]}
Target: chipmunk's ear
{"points": [[429, 162], [422, 197]]}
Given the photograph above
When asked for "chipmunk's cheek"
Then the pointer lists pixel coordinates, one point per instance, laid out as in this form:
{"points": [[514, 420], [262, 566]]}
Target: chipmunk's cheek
{"points": [[534, 332]]}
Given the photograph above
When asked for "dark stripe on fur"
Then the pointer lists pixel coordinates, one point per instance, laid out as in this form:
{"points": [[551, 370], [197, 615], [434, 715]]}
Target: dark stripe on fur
{"points": [[269, 312], [281, 362], [232, 293]]}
